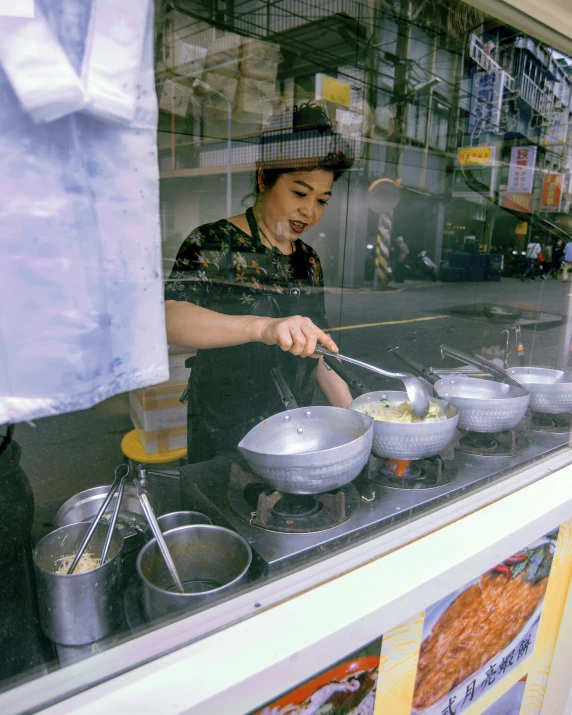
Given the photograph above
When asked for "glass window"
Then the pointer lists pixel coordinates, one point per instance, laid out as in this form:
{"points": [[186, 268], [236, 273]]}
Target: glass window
{"points": [[439, 125], [346, 174], [417, 123]]}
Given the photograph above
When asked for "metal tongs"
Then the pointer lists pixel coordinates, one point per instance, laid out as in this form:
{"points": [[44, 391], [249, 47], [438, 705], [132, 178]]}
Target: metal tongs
{"points": [[117, 486], [415, 389]]}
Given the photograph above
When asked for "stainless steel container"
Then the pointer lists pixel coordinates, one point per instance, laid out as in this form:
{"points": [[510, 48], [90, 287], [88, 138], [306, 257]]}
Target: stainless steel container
{"points": [[181, 518], [211, 560], [83, 607], [84, 506]]}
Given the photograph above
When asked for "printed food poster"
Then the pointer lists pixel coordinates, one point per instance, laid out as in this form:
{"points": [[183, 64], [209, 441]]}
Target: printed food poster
{"points": [[348, 687], [485, 649], [479, 634]]}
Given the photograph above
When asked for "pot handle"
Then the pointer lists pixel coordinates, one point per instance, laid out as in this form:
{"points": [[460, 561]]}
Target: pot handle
{"points": [[284, 391], [487, 365], [414, 365], [356, 384]]}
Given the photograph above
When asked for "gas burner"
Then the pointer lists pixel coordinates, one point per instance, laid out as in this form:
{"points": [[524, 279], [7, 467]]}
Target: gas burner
{"points": [[402, 469], [479, 443], [427, 473], [553, 424], [289, 506], [493, 444], [297, 506], [256, 503]]}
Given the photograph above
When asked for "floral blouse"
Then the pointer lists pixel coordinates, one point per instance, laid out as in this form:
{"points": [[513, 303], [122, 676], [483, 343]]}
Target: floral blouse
{"points": [[222, 268], [218, 261]]}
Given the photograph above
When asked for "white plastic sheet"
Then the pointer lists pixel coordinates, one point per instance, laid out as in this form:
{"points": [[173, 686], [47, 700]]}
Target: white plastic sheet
{"points": [[38, 69], [81, 308], [112, 58]]}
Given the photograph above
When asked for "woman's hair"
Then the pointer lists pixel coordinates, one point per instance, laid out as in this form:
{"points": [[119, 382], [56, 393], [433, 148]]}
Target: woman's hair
{"points": [[307, 143]]}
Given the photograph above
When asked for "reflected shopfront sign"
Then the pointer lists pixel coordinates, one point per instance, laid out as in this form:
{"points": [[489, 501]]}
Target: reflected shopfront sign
{"points": [[332, 90], [552, 192], [476, 172], [521, 171], [518, 202], [486, 103], [475, 155]]}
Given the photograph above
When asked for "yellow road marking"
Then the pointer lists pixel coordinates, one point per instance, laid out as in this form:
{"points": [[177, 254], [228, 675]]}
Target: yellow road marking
{"points": [[388, 322]]}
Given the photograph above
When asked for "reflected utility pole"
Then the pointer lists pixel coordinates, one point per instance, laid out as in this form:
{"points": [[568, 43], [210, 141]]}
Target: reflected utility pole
{"points": [[394, 144]]}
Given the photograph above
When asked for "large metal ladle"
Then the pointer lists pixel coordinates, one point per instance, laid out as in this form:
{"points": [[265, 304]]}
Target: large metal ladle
{"points": [[416, 392], [156, 531]]}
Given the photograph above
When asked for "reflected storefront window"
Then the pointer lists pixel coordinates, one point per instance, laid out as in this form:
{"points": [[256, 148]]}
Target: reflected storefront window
{"points": [[390, 181]]}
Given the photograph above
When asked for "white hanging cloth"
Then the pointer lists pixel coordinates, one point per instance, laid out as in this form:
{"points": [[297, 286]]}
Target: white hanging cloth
{"points": [[81, 307]]}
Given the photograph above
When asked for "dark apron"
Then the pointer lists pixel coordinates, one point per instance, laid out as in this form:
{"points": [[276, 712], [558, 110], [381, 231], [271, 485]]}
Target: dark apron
{"points": [[206, 438]]}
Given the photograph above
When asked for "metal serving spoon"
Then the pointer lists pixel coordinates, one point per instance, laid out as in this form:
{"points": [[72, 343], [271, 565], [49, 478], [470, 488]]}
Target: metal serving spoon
{"points": [[156, 531], [415, 389]]}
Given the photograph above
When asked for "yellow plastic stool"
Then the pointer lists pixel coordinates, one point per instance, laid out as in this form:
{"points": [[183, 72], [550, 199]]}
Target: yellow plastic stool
{"points": [[135, 452]]}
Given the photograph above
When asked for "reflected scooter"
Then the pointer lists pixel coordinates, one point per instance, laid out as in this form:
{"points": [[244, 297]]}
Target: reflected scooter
{"points": [[423, 268]]}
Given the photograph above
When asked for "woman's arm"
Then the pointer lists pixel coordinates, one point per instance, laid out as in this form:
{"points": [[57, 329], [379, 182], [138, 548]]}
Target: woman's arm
{"points": [[190, 326], [334, 388]]}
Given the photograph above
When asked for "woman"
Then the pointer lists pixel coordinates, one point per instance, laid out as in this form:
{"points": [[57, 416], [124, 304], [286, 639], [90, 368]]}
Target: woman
{"points": [[247, 293]]}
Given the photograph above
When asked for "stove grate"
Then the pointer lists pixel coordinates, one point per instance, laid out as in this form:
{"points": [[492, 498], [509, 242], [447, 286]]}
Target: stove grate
{"points": [[493, 444], [429, 473], [552, 424], [256, 503]]}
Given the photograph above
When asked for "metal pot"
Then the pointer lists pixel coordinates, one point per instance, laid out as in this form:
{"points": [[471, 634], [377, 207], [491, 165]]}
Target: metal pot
{"points": [[83, 607], [84, 506], [176, 519], [210, 560], [395, 440], [550, 390], [484, 405], [309, 450]]}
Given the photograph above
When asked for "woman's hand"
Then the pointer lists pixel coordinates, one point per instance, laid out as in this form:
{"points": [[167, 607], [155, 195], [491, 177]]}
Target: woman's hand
{"points": [[297, 335]]}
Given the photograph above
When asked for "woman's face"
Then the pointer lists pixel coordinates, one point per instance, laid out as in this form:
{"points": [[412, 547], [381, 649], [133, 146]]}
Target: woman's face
{"points": [[295, 203]]}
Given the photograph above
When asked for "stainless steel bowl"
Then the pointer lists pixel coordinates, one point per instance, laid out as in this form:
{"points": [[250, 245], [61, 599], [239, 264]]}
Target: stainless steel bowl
{"points": [[484, 405], [85, 505], [309, 450], [394, 440], [210, 560], [550, 390], [181, 518]]}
